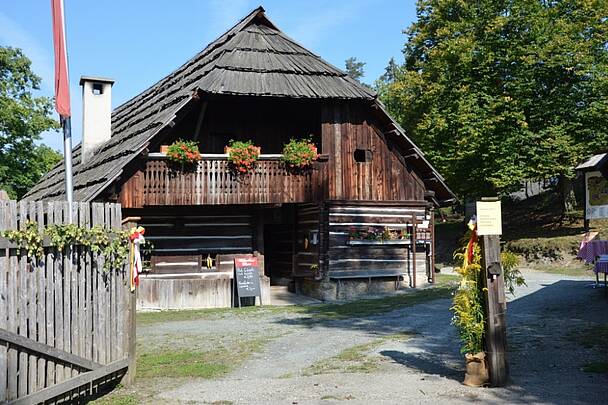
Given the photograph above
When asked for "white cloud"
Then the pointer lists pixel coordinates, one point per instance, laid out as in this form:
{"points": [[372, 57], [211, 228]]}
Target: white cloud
{"points": [[12, 34]]}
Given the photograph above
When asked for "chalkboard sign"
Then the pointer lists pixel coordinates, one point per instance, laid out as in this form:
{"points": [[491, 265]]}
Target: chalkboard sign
{"points": [[247, 277]]}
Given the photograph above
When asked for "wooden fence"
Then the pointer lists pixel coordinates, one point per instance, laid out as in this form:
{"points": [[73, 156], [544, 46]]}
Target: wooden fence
{"points": [[66, 325]]}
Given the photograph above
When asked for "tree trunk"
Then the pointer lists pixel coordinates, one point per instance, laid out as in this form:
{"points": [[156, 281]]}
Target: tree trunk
{"points": [[568, 196]]}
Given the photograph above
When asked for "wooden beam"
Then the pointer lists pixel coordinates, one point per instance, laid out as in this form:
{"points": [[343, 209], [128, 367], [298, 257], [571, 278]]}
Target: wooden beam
{"points": [[49, 351], [130, 321], [199, 122], [414, 237], [71, 384], [496, 307], [392, 132]]}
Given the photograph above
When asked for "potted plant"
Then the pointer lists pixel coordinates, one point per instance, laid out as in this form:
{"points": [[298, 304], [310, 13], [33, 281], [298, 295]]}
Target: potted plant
{"points": [[316, 273], [183, 152], [299, 153], [469, 312], [242, 155]]}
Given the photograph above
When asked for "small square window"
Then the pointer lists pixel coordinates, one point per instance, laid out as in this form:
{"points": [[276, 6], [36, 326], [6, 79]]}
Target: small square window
{"points": [[363, 155], [97, 89]]}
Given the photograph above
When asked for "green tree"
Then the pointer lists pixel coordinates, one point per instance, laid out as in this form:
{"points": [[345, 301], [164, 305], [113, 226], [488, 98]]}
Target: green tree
{"points": [[497, 92], [23, 117], [354, 68], [390, 72]]}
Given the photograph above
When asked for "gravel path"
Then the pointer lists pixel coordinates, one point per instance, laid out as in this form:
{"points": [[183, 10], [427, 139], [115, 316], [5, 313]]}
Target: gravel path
{"points": [[545, 359]]}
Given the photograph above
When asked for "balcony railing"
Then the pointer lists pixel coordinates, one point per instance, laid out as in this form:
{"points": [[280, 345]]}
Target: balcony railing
{"points": [[213, 182]]}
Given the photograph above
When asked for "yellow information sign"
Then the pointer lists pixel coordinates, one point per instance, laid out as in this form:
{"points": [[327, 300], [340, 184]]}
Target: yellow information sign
{"points": [[489, 218]]}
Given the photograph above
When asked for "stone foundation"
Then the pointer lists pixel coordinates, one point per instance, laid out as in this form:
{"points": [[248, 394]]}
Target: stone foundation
{"points": [[348, 289]]}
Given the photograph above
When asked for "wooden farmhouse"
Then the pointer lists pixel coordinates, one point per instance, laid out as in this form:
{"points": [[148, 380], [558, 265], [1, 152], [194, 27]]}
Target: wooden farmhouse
{"points": [[359, 221]]}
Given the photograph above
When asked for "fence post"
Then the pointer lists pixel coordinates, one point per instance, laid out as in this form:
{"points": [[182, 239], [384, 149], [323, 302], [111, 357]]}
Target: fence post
{"points": [[131, 341], [496, 306]]}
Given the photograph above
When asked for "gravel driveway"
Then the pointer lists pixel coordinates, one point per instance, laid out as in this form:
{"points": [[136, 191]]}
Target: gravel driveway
{"points": [[545, 321]]}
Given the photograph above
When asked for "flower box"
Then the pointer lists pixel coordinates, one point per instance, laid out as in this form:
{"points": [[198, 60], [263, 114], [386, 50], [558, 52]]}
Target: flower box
{"points": [[298, 154], [227, 150], [242, 156], [183, 152], [368, 242]]}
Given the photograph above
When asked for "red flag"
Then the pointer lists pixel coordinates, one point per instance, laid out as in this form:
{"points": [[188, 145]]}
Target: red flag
{"points": [[62, 85]]}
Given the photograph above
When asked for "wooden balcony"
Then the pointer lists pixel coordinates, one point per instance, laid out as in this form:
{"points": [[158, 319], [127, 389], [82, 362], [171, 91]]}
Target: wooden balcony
{"points": [[212, 181]]}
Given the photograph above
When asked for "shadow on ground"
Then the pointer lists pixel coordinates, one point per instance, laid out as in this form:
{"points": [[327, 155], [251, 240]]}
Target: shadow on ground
{"points": [[544, 355]]}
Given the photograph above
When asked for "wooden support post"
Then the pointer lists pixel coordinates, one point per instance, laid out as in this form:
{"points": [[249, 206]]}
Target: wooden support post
{"points": [[414, 237], [496, 307], [432, 229], [585, 220], [130, 327]]}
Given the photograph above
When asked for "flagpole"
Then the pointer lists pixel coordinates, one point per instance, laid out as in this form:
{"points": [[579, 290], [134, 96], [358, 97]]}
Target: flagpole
{"points": [[66, 123], [62, 96]]}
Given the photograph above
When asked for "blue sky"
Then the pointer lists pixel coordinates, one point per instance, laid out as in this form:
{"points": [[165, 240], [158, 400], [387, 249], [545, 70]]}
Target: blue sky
{"points": [[137, 42]]}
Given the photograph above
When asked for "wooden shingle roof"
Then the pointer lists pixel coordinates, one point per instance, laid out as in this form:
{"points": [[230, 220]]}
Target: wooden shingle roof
{"points": [[253, 58]]}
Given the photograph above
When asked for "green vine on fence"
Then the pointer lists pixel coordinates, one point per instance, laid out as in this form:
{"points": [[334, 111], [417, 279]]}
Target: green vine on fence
{"points": [[29, 238], [112, 244]]}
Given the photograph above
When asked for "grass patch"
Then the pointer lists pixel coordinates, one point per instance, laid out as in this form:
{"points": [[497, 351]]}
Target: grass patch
{"points": [[354, 359], [447, 280], [117, 398], [351, 360], [192, 363], [367, 307], [318, 312], [179, 364], [574, 269], [148, 318], [600, 367]]}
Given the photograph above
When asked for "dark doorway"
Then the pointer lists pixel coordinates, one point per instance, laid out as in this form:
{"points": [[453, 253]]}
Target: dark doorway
{"points": [[278, 253]]}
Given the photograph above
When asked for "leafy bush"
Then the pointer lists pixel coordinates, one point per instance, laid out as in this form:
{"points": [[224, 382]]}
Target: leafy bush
{"points": [[299, 153], [510, 261], [468, 303], [469, 299], [242, 155], [183, 152]]}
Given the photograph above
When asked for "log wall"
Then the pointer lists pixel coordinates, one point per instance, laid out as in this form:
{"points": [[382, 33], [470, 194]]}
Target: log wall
{"points": [[348, 258], [347, 127], [306, 254], [185, 237]]}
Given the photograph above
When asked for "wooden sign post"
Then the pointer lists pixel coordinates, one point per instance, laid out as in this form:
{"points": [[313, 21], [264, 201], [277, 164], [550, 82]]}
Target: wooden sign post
{"points": [[247, 278], [489, 226]]}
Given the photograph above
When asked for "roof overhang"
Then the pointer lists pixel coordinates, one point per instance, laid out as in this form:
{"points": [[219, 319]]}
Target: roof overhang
{"points": [[597, 162]]}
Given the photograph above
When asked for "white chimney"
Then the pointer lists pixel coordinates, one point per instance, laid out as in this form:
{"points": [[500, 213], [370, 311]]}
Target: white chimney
{"points": [[96, 113]]}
